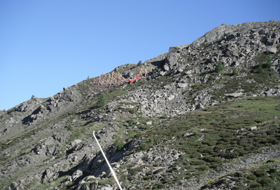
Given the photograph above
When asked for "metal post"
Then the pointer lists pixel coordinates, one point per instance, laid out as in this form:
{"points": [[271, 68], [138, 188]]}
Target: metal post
{"points": [[112, 171]]}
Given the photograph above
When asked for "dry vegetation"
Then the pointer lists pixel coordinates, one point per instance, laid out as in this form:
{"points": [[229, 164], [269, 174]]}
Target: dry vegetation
{"points": [[116, 79], [109, 79]]}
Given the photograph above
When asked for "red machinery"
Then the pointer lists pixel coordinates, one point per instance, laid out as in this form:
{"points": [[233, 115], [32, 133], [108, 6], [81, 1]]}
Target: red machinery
{"points": [[131, 80], [135, 78]]}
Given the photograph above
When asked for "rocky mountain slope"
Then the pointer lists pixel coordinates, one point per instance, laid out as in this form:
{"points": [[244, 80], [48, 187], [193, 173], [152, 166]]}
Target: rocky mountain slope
{"points": [[204, 116]]}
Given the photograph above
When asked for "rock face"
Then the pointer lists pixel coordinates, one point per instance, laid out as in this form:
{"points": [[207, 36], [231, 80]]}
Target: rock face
{"points": [[218, 32], [172, 57], [47, 142]]}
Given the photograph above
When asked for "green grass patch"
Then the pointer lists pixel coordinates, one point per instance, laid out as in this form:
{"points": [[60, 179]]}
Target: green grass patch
{"points": [[226, 133]]}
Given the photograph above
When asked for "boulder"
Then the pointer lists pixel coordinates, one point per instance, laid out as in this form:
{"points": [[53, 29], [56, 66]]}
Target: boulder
{"points": [[181, 68], [235, 95], [14, 185], [76, 142], [77, 174], [276, 62], [87, 179], [171, 97], [182, 85], [187, 134], [199, 106], [129, 74], [162, 73], [253, 128], [172, 57], [271, 50], [235, 64], [149, 123], [157, 59], [189, 72]]}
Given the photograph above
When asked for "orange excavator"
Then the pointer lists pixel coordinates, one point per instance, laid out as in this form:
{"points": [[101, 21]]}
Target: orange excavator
{"points": [[131, 80], [134, 79]]}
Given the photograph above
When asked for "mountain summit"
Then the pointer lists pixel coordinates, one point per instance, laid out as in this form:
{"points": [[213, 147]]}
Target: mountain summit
{"points": [[202, 116]]}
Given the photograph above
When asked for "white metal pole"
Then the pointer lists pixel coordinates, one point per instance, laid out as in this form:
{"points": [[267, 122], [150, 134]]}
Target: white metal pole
{"points": [[112, 171]]}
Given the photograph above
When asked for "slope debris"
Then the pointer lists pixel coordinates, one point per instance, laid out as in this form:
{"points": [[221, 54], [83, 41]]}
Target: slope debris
{"points": [[203, 115]]}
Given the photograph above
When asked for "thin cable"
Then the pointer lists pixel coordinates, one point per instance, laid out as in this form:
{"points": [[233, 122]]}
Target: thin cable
{"points": [[112, 171]]}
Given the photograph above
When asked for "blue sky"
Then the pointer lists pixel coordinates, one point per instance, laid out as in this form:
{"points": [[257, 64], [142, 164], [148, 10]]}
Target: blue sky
{"points": [[48, 45]]}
